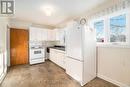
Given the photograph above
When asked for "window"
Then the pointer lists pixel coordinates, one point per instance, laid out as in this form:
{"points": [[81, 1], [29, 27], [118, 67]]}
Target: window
{"points": [[113, 29], [99, 26], [118, 29]]}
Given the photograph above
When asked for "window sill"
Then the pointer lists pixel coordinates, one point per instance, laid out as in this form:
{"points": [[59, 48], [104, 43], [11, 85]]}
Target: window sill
{"points": [[110, 45]]}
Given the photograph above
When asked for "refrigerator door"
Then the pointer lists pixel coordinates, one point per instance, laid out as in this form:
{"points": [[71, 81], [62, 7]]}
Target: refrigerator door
{"points": [[74, 42], [74, 69]]}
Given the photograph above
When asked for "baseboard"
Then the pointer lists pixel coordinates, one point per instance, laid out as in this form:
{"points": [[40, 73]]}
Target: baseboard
{"points": [[112, 81], [2, 77]]}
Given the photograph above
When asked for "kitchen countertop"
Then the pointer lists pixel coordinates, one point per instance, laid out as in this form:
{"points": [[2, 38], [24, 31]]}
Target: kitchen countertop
{"points": [[59, 48]]}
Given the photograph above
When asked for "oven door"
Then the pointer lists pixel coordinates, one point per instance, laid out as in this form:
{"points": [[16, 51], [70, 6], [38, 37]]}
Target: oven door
{"points": [[36, 53]]}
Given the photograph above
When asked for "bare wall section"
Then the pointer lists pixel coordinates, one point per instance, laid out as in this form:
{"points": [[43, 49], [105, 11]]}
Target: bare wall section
{"points": [[114, 65]]}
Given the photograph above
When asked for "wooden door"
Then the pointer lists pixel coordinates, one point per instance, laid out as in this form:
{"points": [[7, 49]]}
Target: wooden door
{"points": [[19, 46]]}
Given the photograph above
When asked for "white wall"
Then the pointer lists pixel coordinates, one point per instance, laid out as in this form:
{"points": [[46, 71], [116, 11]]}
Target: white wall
{"points": [[19, 24], [13, 23], [114, 65], [3, 32], [3, 44]]}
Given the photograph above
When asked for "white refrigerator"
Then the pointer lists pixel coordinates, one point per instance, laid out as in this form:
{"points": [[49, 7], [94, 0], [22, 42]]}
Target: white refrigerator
{"points": [[80, 53]]}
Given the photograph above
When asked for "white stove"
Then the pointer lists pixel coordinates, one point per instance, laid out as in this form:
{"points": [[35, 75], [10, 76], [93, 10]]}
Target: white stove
{"points": [[37, 53]]}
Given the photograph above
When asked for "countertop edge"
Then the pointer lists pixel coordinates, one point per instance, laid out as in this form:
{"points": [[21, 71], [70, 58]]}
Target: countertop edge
{"points": [[58, 50]]}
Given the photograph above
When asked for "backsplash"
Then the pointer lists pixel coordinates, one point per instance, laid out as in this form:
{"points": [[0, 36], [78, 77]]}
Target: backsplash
{"points": [[50, 43]]}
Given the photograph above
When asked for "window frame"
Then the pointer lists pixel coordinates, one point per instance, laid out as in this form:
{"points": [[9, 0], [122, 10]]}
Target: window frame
{"points": [[127, 27], [103, 30], [92, 25], [106, 20]]}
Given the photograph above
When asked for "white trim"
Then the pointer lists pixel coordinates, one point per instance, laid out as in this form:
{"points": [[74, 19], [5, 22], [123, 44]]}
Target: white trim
{"points": [[104, 23], [109, 45], [2, 77], [112, 81]]}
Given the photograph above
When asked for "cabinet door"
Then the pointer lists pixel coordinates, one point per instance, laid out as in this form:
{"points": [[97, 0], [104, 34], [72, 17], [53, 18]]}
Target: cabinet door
{"points": [[57, 57], [35, 34], [32, 34], [61, 59], [38, 34], [53, 56], [60, 35], [44, 34], [57, 34], [51, 35], [48, 35]]}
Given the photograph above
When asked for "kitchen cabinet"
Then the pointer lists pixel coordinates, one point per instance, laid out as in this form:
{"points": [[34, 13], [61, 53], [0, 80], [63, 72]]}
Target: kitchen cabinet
{"points": [[44, 33], [58, 57], [51, 35], [60, 35], [57, 34], [32, 34], [40, 34]]}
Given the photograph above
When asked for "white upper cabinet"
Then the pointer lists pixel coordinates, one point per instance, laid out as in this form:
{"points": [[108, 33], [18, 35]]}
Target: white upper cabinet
{"points": [[37, 34], [44, 33], [57, 34], [51, 35], [40, 34], [60, 35], [32, 34]]}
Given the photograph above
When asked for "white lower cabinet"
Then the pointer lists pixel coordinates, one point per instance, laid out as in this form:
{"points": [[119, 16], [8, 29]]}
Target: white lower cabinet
{"points": [[52, 55], [58, 57]]}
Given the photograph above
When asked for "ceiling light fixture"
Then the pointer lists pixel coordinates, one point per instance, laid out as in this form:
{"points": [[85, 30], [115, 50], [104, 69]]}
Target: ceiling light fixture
{"points": [[48, 10]]}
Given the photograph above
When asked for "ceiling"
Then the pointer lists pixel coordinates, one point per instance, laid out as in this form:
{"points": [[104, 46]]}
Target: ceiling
{"points": [[62, 10]]}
